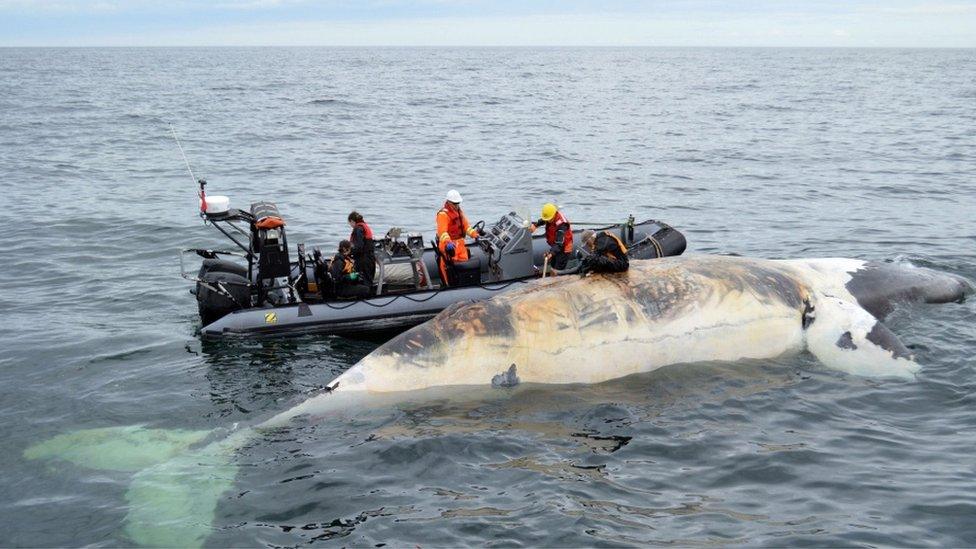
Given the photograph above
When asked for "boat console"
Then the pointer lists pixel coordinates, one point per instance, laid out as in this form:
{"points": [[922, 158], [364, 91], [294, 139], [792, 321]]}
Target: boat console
{"points": [[508, 247]]}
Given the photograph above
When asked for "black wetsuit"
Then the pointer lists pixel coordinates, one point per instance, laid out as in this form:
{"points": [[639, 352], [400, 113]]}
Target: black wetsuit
{"points": [[348, 282], [607, 256], [363, 253]]}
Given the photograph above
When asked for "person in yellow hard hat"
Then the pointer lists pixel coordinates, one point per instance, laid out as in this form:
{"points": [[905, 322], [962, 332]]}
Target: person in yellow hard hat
{"points": [[559, 235]]}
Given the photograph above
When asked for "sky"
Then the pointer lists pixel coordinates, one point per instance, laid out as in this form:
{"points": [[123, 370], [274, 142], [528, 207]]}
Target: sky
{"points": [[772, 23]]}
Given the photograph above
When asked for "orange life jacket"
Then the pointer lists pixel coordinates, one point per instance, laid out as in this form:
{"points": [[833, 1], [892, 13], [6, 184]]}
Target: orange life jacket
{"points": [[554, 224], [269, 222], [348, 265], [452, 222], [367, 232]]}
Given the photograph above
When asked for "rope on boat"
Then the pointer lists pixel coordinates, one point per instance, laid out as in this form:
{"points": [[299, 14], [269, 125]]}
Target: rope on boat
{"points": [[415, 300], [657, 246]]}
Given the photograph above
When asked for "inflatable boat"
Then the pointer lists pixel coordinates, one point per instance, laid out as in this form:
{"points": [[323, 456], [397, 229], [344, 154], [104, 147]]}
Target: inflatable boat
{"points": [[262, 289]]}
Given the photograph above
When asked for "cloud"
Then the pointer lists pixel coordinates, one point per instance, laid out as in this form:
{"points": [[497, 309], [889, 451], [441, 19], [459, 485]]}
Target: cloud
{"points": [[256, 4], [63, 6], [483, 23], [929, 9], [103, 6], [604, 30]]}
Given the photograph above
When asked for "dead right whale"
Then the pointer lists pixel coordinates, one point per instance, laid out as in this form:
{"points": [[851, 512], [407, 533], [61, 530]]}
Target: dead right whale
{"points": [[561, 330], [661, 312]]}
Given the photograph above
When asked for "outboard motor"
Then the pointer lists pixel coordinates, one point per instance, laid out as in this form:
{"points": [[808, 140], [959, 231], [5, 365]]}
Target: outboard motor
{"points": [[222, 288]]}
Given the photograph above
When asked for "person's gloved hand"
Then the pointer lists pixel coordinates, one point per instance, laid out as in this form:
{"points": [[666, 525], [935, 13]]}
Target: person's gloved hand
{"points": [[586, 265], [481, 231], [449, 249]]}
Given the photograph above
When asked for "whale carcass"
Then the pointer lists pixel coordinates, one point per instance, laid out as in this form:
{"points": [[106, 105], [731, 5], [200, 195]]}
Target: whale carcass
{"points": [[561, 330], [662, 312]]}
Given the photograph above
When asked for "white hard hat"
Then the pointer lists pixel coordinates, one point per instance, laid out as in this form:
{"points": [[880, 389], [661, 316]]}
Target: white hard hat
{"points": [[453, 196]]}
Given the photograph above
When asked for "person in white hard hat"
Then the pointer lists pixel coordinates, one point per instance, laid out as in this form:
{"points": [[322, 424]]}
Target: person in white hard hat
{"points": [[452, 227]]}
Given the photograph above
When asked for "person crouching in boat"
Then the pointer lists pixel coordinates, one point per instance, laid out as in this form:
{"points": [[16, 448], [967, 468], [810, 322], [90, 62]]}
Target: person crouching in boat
{"points": [[607, 253], [348, 281], [362, 248], [559, 235], [452, 227]]}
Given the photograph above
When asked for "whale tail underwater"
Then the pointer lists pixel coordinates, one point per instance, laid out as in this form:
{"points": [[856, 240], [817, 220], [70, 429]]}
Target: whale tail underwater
{"points": [[560, 330]]}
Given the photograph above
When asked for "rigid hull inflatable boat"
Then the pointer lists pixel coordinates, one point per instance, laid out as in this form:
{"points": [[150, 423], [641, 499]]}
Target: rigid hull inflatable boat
{"points": [[260, 289]]}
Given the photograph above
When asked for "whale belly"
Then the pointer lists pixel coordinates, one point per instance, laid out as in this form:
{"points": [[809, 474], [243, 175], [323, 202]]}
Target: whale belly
{"points": [[729, 330]]}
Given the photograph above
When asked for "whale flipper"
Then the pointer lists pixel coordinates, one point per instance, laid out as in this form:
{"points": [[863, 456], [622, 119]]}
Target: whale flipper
{"points": [[845, 337]]}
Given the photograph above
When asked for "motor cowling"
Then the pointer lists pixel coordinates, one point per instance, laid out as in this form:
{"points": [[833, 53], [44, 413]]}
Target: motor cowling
{"points": [[222, 288], [215, 265]]}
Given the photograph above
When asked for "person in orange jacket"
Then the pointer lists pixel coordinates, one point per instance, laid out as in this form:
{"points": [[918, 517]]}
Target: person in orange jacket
{"points": [[452, 227], [559, 236]]}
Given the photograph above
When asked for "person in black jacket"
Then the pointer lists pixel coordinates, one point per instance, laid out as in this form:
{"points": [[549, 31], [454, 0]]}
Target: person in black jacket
{"points": [[362, 247], [348, 281], [608, 254]]}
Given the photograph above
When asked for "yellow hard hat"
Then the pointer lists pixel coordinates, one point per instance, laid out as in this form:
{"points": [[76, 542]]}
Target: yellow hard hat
{"points": [[548, 211]]}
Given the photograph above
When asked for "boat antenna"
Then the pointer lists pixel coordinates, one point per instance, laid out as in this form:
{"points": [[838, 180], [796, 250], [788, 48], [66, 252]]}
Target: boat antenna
{"points": [[203, 182], [183, 154]]}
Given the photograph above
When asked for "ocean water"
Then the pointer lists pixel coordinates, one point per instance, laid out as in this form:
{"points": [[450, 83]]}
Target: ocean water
{"points": [[775, 153]]}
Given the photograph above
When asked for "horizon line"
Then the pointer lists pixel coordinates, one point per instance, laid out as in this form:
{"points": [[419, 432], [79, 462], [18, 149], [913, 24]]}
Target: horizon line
{"points": [[489, 46]]}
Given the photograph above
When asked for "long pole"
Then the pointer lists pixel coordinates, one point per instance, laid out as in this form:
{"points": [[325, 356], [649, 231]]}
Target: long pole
{"points": [[183, 154]]}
